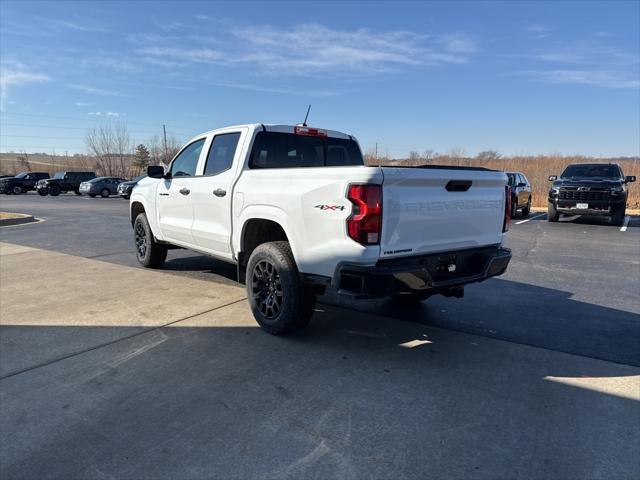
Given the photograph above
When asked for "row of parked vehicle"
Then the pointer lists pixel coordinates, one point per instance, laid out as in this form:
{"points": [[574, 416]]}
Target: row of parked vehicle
{"points": [[80, 183]]}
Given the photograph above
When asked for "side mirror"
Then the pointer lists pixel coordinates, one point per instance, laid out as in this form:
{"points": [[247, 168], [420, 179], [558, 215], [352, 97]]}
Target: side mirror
{"points": [[155, 171], [552, 178], [630, 178], [521, 184]]}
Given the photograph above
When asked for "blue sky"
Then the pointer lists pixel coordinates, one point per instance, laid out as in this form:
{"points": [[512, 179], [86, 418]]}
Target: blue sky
{"points": [[517, 77]]}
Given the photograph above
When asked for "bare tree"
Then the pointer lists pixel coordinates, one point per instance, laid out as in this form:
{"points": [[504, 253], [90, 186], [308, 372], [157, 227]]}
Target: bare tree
{"points": [[110, 145], [488, 155], [23, 161]]}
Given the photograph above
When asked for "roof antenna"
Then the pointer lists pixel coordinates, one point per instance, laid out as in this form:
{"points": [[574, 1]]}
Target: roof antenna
{"points": [[304, 124]]}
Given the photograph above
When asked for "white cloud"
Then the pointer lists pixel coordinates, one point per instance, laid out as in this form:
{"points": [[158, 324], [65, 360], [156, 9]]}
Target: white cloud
{"points": [[81, 104], [104, 114], [312, 48], [538, 31], [15, 75], [598, 78], [95, 91]]}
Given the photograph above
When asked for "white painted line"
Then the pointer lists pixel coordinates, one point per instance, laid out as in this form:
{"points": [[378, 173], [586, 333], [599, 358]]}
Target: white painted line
{"points": [[626, 223], [531, 218]]}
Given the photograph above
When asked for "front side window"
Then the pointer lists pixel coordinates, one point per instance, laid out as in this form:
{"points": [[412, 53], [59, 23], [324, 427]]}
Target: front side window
{"points": [[221, 153], [184, 165]]}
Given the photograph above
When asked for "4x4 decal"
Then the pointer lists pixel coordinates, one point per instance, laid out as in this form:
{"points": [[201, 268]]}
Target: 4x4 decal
{"points": [[330, 207]]}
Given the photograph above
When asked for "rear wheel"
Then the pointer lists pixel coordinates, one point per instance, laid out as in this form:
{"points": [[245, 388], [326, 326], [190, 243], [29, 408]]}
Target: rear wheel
{"points": [[54, 191], [527, 208], [617, 217], [16, 190], [280, 301], [104, 193], [92, 195], [552, 214], [149, 253]]}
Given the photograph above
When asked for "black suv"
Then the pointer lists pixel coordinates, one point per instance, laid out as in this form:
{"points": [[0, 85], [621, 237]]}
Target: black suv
{"points": [[520, 193], [589, 189], [63, 182], [21, 183]]}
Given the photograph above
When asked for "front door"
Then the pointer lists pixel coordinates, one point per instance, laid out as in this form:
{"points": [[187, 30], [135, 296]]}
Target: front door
{"points": [[175, 210]]}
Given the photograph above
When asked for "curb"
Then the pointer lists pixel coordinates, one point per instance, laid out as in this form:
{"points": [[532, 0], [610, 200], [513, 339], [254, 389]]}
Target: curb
{"points": [[4, 222]]}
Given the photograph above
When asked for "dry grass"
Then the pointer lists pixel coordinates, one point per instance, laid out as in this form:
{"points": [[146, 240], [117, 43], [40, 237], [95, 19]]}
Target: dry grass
{"points": [[537, 169]]}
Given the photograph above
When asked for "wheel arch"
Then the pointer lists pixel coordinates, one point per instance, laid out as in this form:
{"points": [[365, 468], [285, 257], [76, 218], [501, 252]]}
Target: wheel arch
{"points": [[256, 231]]}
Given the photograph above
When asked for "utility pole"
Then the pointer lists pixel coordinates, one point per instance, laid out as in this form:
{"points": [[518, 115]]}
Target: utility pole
{"points": [[164, 132]]}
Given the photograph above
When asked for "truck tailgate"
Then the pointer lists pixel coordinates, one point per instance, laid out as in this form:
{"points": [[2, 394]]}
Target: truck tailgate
{"points": [[435, 209]]}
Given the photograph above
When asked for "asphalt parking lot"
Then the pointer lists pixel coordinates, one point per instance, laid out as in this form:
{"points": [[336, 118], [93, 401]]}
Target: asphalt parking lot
{"points": [[108, 370]]}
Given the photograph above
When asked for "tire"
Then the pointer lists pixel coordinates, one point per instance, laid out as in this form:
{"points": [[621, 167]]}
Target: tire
{"points": [[280, 301], [92, 195], [77, 192], [104, 193], [552, 214], [54, 191], [7, 190], [17, 190], [514, 208], [150, 254], [43, 192], [527, 208], [617, 216]]}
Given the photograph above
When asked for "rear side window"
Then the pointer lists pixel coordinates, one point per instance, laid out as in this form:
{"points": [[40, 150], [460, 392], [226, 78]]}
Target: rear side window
{"points": [[184, 165], [287, 150], [221, 153]]}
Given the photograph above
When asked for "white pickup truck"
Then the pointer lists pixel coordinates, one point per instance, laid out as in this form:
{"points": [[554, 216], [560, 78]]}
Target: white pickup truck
{"points": [[298, 212]]}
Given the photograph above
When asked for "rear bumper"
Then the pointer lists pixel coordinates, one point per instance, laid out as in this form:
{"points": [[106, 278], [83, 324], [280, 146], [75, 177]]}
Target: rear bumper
{"points": [[428, 274]]}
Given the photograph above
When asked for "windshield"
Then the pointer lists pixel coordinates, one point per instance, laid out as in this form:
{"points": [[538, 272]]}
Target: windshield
{"points": [[59, 175], [592, 170], [22, 175]]}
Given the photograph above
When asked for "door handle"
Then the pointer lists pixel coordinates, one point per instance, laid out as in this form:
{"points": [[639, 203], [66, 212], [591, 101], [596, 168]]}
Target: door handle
{"points": [[185, 191], [219, 192]]}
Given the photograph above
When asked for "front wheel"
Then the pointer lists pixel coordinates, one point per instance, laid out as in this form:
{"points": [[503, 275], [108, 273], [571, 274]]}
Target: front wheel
{"points": [[527, 208], [17, 190], [280, 301], [149, 253], [54, 191], [617, 218], [514, 208], [43, 192], [552, 214]]}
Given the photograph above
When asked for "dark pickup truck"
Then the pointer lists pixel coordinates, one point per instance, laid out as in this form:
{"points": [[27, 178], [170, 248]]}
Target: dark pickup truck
{"points": [[21, 183], [63, 182], [590, 189]]}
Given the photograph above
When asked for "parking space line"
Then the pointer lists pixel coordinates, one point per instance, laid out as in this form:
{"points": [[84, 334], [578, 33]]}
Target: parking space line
{"points": [[535, 216], [625, 224]]}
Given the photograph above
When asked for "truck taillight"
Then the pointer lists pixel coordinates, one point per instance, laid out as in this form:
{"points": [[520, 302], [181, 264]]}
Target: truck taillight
{"points": [[507, 208], [365, 223], [312, 132]]}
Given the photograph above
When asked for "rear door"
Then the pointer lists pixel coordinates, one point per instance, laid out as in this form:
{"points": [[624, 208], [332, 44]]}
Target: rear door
{"points": [[175, 211], [429, 210], [211, 192]]}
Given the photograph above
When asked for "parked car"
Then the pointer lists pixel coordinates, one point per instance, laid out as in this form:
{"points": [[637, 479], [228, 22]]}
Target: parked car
{"points": [[590, 189], [520, 193], [103, 186], [297, 211], [125, 188], [21, 183], [63, 182]]}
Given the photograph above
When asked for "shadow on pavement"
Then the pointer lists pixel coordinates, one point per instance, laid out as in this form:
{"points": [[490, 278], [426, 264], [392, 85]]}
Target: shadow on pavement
{"points": [[342, 399]]}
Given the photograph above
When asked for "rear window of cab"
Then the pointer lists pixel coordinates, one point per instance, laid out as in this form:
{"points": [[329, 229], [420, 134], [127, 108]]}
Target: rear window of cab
{"points": [[288, 150]]}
